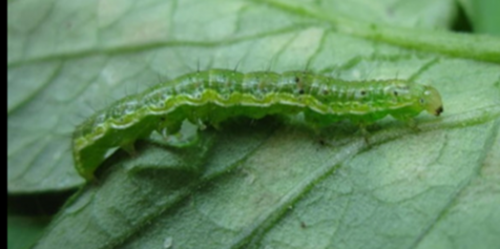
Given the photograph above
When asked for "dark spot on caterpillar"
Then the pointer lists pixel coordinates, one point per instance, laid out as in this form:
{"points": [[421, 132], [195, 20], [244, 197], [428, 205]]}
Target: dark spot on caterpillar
{"points": [[395, 93], [363, 92], [439, 110], [297, 79]]}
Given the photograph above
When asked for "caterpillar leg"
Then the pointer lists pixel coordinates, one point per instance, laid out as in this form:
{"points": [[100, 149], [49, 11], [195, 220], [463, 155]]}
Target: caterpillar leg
{"points": [[408, 119], [318, 121], [364, 132], [202, 126], [412, 123], [129, 148]]}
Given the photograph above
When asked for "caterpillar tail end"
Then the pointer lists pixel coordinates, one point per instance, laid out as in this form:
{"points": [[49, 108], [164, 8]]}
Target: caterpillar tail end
{"points": [[87, 174], [84, 168]]}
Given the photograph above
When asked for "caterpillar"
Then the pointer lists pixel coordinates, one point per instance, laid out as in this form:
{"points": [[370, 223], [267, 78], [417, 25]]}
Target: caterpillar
{"points": [[215, 95]]}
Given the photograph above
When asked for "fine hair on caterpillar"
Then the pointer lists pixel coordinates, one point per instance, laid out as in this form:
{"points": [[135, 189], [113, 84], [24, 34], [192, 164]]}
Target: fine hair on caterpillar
{"points": [[213, 96]]}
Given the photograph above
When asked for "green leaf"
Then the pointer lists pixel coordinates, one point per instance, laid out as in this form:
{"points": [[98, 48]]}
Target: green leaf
{"points": [[24, 231], [28, 216], [483, 15], [266, 183]]}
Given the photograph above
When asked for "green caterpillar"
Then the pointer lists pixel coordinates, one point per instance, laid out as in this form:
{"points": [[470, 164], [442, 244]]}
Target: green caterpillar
{"points": [[215, 95]]}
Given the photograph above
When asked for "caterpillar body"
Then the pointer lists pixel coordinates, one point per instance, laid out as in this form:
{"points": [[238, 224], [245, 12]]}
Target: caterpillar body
{"points": [[215, 95]]}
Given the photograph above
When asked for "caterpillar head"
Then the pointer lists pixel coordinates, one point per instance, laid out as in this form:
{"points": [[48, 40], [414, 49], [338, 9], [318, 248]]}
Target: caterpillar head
{"points": [[430, 100]]}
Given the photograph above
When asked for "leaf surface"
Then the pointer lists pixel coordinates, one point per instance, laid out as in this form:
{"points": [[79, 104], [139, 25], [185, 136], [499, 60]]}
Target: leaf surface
{"points": [[267, 183]]}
